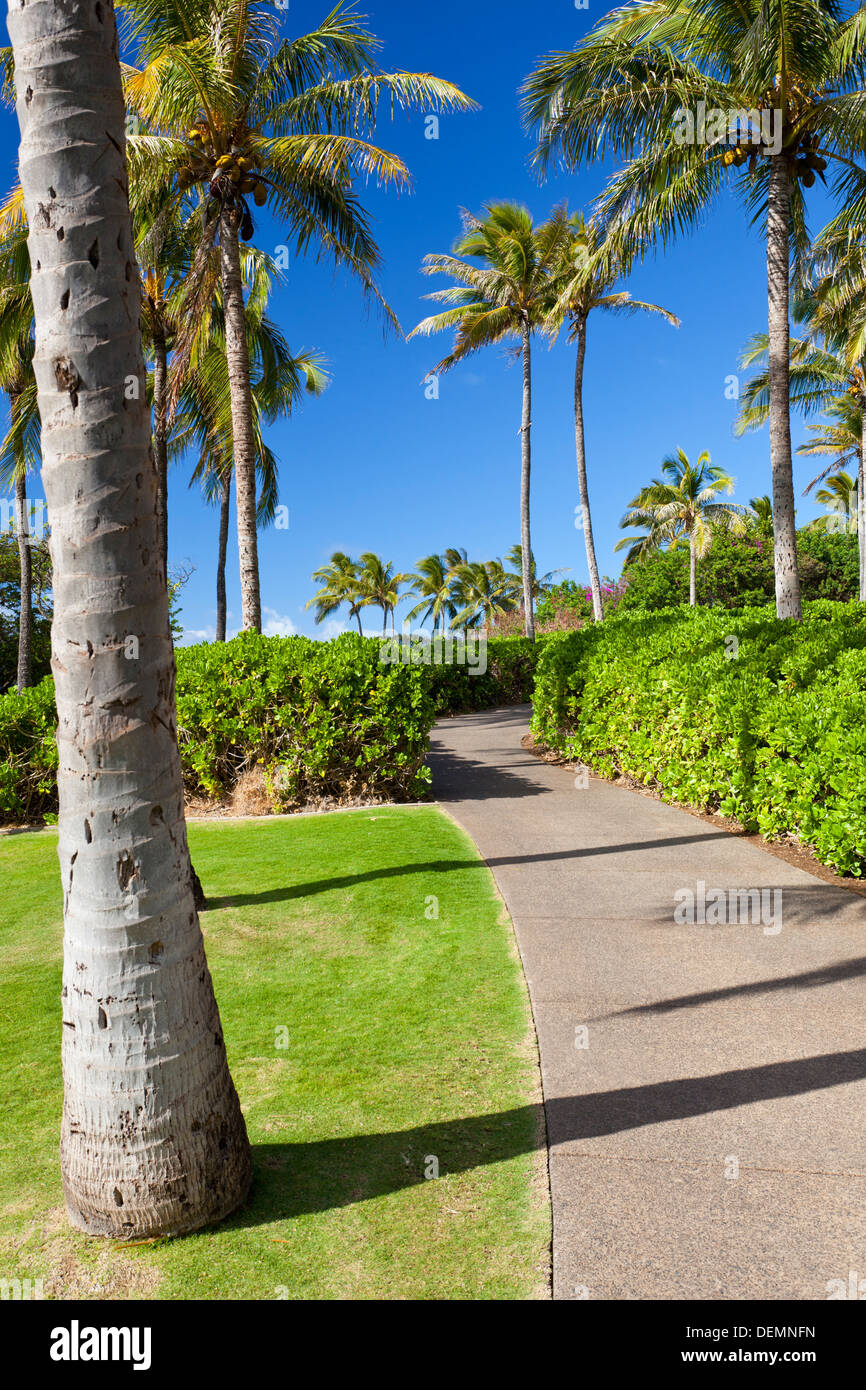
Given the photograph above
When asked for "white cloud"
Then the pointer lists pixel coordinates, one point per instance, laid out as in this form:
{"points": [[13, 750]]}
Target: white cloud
{"points": [[193, 635], [276, 624], [332, 628]]}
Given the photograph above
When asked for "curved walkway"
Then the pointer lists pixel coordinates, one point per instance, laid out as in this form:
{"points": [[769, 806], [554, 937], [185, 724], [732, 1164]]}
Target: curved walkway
{"points": [[705, 1084]]}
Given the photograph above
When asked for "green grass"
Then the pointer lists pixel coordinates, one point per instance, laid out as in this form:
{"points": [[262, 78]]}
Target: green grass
{"points": [[408, 1037]]}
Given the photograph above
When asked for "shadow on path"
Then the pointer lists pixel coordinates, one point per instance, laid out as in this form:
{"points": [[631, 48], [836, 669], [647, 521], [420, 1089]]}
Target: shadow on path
{"points": [[809, 979], [297, 1179]]}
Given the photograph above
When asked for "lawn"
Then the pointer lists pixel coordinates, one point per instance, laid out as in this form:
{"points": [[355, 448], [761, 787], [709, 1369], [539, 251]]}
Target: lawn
{"points": [[371, 1041]]}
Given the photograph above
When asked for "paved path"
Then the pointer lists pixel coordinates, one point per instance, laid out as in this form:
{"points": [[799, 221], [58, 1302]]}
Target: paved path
{"points": [[712, 1049]]}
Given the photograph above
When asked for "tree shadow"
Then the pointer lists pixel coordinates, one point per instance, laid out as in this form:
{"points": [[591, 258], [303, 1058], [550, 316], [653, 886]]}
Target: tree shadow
{"points": [[286, 892], [809, 979], [322, 1175], [459, 777]]}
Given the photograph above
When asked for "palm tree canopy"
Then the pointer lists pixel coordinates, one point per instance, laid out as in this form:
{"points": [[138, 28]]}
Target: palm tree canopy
{"points": [[508, 291], [683, 504], [231, 112], [636, 86]]}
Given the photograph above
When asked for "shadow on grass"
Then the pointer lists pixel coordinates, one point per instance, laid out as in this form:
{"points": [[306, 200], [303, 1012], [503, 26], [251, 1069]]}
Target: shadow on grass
{"points": [[299, 1179], [431, 866]]}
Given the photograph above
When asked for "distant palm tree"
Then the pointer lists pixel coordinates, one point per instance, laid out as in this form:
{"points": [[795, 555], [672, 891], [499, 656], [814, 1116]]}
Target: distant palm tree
{"points": [[380, 586], [21, 450], [760, 515], [634, 87], [839, 496], [340, 581], [433, 583], [484, 590], [683, 505], [508, 295], [589, 261], [540, 585]]}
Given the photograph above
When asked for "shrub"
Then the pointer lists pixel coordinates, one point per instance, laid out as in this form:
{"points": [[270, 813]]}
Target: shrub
{"points": [[28, 753], [321, 719], [508, 680], [317, 720], [296, 721], [761, 719], [737, 572]]}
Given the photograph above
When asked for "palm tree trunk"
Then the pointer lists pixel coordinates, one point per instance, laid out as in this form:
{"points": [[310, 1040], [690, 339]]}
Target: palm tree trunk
{"points": [[778, 281], [225, 502], [153, 1140], [693, 573], [25, 560], [525, 471], [240, 392], [160, 443], [861, 506], [582, 487]]}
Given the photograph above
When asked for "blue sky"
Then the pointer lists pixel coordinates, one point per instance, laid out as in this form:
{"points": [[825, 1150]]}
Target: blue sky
{"points": [[375, 465]]}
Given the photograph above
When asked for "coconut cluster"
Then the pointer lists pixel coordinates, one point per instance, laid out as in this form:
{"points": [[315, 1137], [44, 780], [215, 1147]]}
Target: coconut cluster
{"points": [[231, 174]]}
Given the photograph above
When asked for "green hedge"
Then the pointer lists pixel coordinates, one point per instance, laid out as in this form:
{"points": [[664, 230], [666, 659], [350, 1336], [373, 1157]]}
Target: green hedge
{"points": [[769, 728], [508, 680], [28, 754], [737, 572], [320, 719]]}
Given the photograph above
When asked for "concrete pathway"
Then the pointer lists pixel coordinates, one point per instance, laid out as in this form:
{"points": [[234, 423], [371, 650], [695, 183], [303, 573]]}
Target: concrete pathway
{"points": [[705, 1085]]}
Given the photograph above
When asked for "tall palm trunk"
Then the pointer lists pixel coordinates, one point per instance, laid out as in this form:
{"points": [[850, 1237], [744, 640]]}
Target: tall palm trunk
{"points": [[582, 487], [693, 573], [778, 279], [861, 506], [240, 393], [25, 561], [225, 503], [153, 1139], [160, 442], [525, 472]]}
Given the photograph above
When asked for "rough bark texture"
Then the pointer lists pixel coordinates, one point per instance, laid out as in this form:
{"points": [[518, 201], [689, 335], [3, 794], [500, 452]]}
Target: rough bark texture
{"points": [[237, 356], [160, 444], [582, 486], [525, 472], [693, 573], [778, 277], [25, 559], [153, 1140], [221, 611], [861, 506]]}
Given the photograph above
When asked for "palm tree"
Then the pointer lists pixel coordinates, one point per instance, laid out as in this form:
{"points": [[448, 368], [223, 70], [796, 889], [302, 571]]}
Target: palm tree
{"points": [[20, 452], [235, 113], [826, 375], [759, 517], [540, 584], [340, 581], [278, 381], [507, 296], [590, 260], [682, 505], [839, 496], [380, 586], [779, 83], [484, 590], [153, 1138], [433, 583]]}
